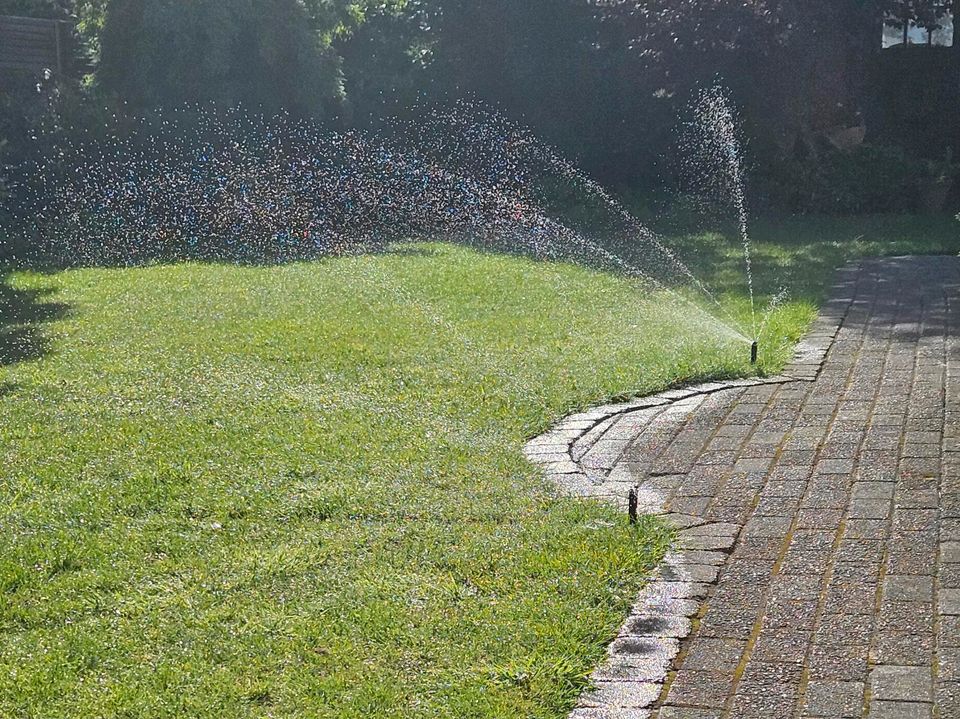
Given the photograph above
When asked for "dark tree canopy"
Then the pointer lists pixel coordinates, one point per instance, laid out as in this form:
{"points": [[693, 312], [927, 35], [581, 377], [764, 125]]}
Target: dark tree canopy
{"points": [[254, 52], [606, 80]]}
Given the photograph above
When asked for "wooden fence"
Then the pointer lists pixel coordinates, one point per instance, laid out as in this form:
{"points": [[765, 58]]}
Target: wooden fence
{"points": [[32, 44]]}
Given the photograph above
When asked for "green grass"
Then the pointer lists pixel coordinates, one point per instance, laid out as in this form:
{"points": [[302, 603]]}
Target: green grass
{"points": [[298, 491]]}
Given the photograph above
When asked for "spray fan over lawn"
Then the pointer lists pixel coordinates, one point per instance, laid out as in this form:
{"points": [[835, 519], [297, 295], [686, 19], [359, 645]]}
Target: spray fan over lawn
{"points": [[286, 481]]}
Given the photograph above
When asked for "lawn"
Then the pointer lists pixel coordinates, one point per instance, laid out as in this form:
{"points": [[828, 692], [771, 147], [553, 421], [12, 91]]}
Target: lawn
{"points": [[298, 491]]}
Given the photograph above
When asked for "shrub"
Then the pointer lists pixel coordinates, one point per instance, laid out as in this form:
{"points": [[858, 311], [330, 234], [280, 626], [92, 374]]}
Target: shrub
{"points": [[871, 178], [253, 52]]}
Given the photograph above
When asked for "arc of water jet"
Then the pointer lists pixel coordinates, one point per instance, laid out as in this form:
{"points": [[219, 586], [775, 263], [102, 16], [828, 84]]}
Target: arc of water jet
{"points": [[716, 116], [630, 269], [775, 302], [598, 249], [644, 232], [567, 170]]}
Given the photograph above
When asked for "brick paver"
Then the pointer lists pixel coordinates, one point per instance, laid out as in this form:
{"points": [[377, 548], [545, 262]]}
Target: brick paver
{"points": [[819, 514]]}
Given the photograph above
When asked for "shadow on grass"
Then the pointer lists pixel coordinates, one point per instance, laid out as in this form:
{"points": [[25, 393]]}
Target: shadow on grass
{"points": [[23, 312], [800, 253]]}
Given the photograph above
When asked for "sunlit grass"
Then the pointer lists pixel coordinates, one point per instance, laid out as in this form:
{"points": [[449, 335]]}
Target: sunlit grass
{"points": [[299, 491]]}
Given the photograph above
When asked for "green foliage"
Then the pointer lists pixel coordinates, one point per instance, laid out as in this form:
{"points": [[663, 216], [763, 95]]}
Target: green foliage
{"points": [[59, 9], [606, 81], [868, 179], [260, 53], [927, 14]]}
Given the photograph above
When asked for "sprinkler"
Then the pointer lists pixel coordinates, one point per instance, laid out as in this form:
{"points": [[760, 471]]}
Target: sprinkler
{"points": [[753, 352], [632, 501]]}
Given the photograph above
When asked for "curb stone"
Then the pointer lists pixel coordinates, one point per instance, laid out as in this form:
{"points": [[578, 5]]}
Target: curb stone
{"points": [[580, 456]]}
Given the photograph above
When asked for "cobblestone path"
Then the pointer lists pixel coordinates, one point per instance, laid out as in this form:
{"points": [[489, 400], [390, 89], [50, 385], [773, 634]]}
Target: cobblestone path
{"points": [[818, 572]]}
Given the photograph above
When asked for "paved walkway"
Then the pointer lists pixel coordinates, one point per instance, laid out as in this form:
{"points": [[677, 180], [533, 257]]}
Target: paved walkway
{"points": [[819, 568]]}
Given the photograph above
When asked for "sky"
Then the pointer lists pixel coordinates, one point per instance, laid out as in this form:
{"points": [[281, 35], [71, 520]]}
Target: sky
{"points": [[918, 36]]}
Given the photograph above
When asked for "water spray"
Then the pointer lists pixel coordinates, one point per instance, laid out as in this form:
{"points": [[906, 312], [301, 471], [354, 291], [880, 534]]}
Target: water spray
{"points": [[754, 349]]}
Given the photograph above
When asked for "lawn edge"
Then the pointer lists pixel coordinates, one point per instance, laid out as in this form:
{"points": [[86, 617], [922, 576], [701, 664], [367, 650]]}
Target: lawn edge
{"points": [[684, 578]]}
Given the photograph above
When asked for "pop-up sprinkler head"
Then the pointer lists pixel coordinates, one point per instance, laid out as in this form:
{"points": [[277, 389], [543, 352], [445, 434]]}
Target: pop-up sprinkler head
{"points": [[753, 352]]}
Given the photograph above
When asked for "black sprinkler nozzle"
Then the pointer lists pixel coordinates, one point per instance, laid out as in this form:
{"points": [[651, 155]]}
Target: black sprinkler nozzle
{"points": [[754, 348], [632, 501]]}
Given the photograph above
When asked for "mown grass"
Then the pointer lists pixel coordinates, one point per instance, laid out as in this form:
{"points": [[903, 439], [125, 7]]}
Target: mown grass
{"points": [[298, 491]]}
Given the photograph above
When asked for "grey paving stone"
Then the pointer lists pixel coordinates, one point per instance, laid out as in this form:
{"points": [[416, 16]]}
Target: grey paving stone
{"points": [[834, 699], [696, 506], [824, 519], [764, 701], [759, 674], [950, 529], [914, 520], [901, 684], [701, 557], [674, 712], [610, 713], [710, 654], [700, 689], [729, 622], [948, 631], [667, 605], [803, 587], [691, 572], [771, 506], [838, 663], [949, 575], [768, 527], [683, 521], [805, 563], [708, 543], [900, 710], [856, 494], [835, 466], [950, 552], [948, 664], [713, 529], [643, 652], [844, 629], [922, 499], [662, 591], [875, 529], [781, 646], [621, 695], [949, 602], [908, 588], [647, 625], [813, 539], [872, 490], [742, 576], [869, 509], [638, 659], [948, 699]]}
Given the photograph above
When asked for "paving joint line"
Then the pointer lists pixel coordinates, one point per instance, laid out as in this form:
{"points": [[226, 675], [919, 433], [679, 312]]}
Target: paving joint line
{"points": [[675, 587]]}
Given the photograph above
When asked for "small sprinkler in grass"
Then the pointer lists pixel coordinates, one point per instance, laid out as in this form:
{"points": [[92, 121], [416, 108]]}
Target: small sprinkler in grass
{"points": [[754, 348], [632, 506]]}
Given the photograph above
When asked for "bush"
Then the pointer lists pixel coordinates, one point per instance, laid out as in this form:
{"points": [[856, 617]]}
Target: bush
{"points": [[871, 178], [264, 53]]}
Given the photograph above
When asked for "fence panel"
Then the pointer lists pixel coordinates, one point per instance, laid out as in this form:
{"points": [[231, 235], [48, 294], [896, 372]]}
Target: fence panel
{"points": [[31, 44]]}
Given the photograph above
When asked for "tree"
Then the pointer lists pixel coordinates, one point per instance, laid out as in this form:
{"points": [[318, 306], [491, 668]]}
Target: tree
{"points": [[262, 53], [925, 14], [58, 9]]}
